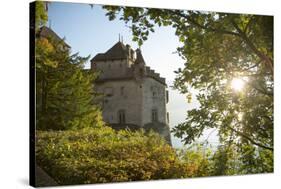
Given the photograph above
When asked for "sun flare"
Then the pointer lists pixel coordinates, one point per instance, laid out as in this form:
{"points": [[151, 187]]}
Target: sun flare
{"points": [[237, 84]]}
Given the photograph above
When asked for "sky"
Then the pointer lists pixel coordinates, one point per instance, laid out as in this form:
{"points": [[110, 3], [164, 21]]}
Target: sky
{"points": [[88, 31]]}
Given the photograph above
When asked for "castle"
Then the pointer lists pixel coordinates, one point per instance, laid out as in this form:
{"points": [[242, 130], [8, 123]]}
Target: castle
{"points": [[134, 96]]}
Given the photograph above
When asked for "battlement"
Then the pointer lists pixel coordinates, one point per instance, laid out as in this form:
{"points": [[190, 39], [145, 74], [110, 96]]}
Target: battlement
{"points": [[151, 73]]}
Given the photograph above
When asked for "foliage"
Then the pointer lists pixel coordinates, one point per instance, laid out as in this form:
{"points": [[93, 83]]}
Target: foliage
{"points": [[226, 159], [65, 95], [255, 161], [197, 160], [41, 15], [95, 155], [217, 48], [98, 155]]}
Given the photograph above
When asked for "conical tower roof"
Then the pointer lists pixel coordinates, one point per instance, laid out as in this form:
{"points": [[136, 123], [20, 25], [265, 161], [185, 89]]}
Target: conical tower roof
{"points": [[117, 51], [46, 32]]}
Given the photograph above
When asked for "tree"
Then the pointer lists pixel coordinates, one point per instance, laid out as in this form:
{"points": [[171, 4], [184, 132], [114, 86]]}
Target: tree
{"points": [[41, 15], [65, 96], [218, 49]]}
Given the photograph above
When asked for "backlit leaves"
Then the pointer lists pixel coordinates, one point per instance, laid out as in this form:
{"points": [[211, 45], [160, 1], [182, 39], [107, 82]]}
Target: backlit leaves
{"points": [[218, 47]]}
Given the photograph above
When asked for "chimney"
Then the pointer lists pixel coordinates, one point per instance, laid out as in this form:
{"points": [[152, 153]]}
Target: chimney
{"points": [[132, 54], [139, 58], [128, 49]]}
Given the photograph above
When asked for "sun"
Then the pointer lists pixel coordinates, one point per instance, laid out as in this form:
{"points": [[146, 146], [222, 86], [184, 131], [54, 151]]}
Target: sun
{"points": [[237, 84]]}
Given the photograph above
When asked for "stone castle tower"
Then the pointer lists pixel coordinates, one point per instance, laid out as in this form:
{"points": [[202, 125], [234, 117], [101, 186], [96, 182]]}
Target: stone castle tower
{"points": [[134, 96]]}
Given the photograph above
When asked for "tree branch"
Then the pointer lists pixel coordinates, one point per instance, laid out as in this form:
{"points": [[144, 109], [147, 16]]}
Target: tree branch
{"points": [[193, 22], [251, 140], [265, 92], [248, 24], [268, 61]]}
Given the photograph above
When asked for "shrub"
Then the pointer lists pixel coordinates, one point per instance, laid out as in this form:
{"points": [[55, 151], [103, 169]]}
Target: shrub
{"points": [[97, 155]]}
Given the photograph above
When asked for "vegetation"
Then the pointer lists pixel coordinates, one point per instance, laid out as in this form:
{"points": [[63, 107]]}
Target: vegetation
{"points": [[65, 96], [41, 15], [74, 146], [229, 62], [95, 155], [98, 155]]}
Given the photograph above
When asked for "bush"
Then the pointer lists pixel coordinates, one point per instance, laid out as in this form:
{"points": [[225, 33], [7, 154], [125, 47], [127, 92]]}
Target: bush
{"points": [[97, 155], [196, 160]]}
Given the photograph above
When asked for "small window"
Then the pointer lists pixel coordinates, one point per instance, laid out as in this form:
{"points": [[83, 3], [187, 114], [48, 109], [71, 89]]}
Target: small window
{"points": [[121, 117], [108, 91], [105, 101], [167, 96], [154, 91], [122, 91], [168, 117], [141, 72], [154, 115]]}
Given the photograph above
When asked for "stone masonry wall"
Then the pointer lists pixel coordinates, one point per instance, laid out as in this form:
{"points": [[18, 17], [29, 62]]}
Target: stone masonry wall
{"points": [[112, 68], [128, 100], [153, 98]]}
